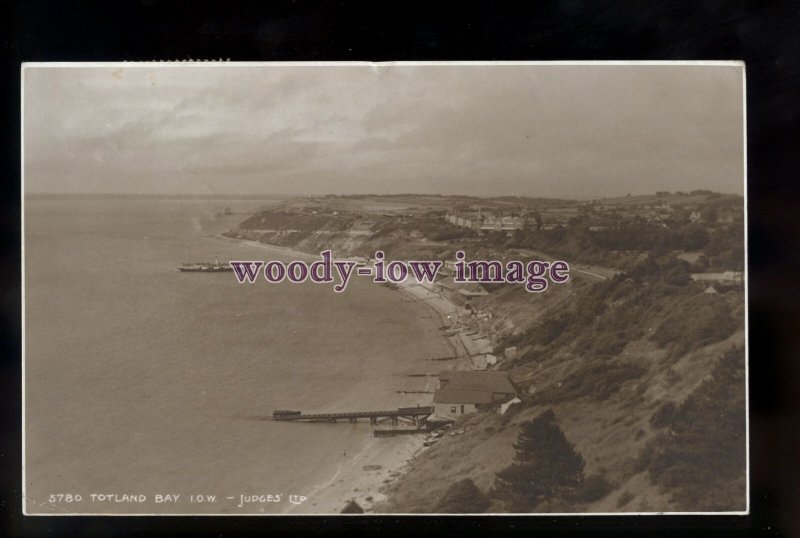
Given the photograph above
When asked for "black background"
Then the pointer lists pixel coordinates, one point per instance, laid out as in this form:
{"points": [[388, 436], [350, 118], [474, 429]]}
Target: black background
{"points": [[766, 35]]}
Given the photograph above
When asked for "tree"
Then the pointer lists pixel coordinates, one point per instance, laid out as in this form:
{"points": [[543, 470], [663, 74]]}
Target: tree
{"points": [[538, 217], [546, 466], [463, 497], [700, 456]]}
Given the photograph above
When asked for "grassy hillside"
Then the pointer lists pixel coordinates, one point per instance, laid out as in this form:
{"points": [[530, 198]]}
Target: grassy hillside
{"points": [[644, 375]]}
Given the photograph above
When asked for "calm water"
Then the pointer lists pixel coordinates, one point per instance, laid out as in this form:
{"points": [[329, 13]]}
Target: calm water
{"points": [[144, 380]]}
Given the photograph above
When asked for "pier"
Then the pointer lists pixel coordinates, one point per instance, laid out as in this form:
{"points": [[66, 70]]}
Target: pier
{"points": [[417, 416]]}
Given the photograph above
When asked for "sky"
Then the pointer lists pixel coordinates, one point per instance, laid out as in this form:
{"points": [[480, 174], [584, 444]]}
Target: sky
{"points": [[482, 130]]}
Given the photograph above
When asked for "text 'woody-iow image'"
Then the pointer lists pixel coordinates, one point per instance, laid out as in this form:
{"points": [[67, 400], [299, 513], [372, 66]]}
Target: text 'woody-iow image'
{"points": [[406, 288]]}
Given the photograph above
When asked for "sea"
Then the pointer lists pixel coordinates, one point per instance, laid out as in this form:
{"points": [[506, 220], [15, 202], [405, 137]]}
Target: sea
{"points": [[142, 381]]}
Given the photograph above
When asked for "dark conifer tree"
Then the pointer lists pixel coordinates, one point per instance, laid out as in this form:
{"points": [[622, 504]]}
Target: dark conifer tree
{"points": [[545, 466]]}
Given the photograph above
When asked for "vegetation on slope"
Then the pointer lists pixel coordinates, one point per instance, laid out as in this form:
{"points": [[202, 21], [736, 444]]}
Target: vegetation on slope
{"points": [[699, 454], [463, 497], [621, 365], [546, 467]]}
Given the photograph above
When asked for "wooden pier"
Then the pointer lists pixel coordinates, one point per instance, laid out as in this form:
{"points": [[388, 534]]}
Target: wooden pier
{"points": [[408, 415]]}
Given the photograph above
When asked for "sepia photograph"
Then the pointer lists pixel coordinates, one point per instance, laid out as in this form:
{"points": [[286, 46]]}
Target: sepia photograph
{"points": [[315, 288]]}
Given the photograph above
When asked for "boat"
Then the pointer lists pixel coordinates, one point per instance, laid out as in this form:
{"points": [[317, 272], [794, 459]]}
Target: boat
{"points": [[285, 412], [205, 267]]}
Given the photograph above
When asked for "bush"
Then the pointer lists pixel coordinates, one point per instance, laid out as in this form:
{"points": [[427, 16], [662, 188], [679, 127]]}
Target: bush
{"points": [[608, 345], [600, 380], [592, 489], [463, 497], [708, 324], [701, 457], [624, 499], [664, 415], [552, 328]]}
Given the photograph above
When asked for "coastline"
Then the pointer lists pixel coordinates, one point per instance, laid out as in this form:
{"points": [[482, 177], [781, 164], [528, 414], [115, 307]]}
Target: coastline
{"points": [[446, 312], [464, 348], [382, 460], [364, 476]]}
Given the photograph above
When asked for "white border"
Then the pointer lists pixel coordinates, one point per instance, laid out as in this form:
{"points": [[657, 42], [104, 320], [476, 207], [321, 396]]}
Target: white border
{"points": [[22, 261], [746, 295], [203, 63], [222, 63]]}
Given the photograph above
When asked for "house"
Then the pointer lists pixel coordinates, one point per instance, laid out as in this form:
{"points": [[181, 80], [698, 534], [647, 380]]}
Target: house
{"points": [[462, 392], [483, 361], [458, 293], [489, 221], [479, 362], [472, 290], [445, 284], [726, 216], [726, 277], [358, 260]]}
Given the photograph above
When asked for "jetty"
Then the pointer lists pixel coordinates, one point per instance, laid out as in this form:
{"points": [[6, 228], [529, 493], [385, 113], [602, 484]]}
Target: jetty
{"points": [[416, 416]]}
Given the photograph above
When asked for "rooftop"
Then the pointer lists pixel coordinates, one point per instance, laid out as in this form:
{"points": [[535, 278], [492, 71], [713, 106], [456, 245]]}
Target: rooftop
{"points": [[477, 380], [448, 395]]}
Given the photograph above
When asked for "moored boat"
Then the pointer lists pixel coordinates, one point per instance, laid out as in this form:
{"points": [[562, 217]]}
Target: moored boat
{"points": [[205, 267]]}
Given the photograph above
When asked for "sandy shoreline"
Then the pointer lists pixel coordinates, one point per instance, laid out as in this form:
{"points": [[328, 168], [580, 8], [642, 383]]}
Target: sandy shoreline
{"points": [[462, 346], [364, 475]]}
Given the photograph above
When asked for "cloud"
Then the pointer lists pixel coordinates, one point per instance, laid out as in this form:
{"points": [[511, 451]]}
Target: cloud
{"points": [[533, 130]]}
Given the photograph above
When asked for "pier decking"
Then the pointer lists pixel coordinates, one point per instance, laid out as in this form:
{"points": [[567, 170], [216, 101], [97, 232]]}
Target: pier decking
{"points": [[410, 415]]}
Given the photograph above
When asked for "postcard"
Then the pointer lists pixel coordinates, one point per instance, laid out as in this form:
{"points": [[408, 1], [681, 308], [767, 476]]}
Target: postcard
{"points": [[384, 288]]}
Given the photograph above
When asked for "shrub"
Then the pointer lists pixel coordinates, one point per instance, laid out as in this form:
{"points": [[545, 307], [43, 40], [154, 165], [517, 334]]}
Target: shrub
{"points": [[592, 489], [624, 499], [609, 345], [706, 325], [463, 497], [664, 415], [551, 328], [600, 380], [701, 457]]}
